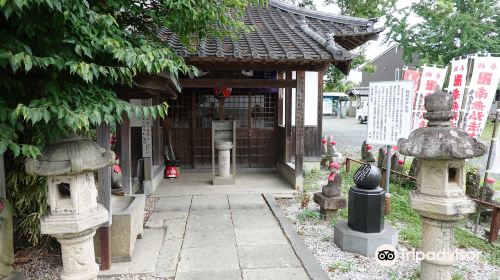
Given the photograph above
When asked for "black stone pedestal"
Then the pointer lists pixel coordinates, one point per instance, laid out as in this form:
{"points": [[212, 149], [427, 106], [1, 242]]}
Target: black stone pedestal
{"points": [[366, 209]]}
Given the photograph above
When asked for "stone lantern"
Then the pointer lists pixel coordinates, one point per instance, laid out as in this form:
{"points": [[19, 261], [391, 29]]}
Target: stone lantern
{"points": [[72, 197], [440, 196]]}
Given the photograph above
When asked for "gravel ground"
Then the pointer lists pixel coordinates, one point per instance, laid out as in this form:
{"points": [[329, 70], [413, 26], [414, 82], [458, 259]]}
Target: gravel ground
{"points": [[318, 237], [42, 264]]}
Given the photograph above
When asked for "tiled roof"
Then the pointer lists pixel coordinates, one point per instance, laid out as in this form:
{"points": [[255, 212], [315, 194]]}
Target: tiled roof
{"points": [[362, 91], [284, 31]]}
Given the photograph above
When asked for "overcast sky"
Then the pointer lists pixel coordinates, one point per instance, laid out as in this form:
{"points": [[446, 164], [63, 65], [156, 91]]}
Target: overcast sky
{"points": [[374, 47]]}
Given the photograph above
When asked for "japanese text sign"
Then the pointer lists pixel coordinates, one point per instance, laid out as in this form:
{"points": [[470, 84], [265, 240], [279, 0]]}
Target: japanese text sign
{"points": [[412, 75], [480, 94], [456, 86], [431, 78], [389, 112], [147, 123]]}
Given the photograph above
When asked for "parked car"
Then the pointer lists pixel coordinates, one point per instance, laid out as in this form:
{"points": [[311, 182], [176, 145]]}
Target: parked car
{"points": [[362, 112]]}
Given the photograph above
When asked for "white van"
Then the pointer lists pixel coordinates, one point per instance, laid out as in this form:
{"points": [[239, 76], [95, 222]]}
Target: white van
{"points": [[362, 112]]}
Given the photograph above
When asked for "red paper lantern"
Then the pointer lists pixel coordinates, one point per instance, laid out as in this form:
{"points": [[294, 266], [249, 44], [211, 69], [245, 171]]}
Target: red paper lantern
{"points": [[222, 92], [490, 180]]}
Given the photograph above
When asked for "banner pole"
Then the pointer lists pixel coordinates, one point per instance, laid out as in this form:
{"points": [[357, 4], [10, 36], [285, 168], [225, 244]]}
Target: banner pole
{"points": [[387, 206], [488, 164]]}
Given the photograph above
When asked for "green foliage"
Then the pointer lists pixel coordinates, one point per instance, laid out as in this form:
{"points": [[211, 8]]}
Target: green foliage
{"points": [[308, 214], [29, 197], [466, 239], [446, 29], [62, 61], [342, 266], [457, 276]]}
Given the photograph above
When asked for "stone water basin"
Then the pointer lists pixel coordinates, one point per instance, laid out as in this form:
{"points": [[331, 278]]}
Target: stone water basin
{"points": [[127, 226]]}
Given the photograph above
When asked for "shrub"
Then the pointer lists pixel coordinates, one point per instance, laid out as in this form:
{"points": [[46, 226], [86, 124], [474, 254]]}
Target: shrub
{"points": [[28, 196]]}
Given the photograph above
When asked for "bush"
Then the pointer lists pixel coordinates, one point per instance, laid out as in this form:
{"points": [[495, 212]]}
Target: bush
{"points": [[28, 195]]}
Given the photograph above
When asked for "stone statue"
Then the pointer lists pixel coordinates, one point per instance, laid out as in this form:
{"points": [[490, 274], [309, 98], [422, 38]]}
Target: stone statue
{"points": [[324, 152], [473, 182], [116, 179], [335, 156], [381, 158], [6, 240], [334, 185], [366, 154], [329, 198], [488, 192]]}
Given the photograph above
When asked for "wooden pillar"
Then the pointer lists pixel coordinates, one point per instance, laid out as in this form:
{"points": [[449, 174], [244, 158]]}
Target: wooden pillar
{"points": [[126, 155], [3, 189], [495, 225], [157, 149], [299, 130], [288, 119], [104, 185], [319, 128], [147, 149]]}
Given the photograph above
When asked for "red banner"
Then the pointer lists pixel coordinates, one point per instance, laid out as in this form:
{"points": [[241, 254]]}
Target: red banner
{"points": [[412, 75]]}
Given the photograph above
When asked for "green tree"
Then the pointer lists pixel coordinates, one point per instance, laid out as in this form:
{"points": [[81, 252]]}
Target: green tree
{"points": [[61, 61], [336, 80], [446, 29]]}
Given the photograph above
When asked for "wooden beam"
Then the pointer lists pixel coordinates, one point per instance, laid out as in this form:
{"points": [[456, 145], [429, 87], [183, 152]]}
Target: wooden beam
{"points": [[126, 154], [3, 189], [213, 63], [237, 83], [288, 120], [104, 197], [299, 129]]}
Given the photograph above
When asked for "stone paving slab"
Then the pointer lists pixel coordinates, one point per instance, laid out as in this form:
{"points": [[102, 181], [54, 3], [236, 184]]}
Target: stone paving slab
{"points": [[209, 202], [275, 274], [246, 201], [223, 236], [175, 228], [234, 274], [173, 204], [145, 255], [168, 215], [208, 258], [262, 236], [267, 256], [168, 258]]}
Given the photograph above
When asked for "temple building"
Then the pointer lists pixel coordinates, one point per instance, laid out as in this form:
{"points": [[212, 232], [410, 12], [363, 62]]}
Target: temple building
{"points": [[274, 79]]}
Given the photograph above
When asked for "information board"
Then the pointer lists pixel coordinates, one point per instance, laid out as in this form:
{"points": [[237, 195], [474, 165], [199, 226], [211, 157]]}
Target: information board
{"points": [[389, 112]]}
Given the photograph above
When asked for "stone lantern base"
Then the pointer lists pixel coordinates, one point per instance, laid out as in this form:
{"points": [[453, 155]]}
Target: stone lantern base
{"points": [[78, 257]]}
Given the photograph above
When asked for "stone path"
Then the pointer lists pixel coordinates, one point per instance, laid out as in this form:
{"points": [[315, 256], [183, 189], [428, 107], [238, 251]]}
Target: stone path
{"points": [[213, 237]]}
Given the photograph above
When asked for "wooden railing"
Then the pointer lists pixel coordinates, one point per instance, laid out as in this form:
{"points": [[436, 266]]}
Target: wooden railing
{"points": [[495, 217]]}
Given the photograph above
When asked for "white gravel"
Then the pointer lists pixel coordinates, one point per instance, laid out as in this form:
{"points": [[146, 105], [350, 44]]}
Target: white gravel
{"points": [[318, 237]]}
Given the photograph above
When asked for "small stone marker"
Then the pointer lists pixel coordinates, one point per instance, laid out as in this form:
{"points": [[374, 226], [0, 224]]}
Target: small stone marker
{"points": [[366, 154], [329, 198], [365, 229]]}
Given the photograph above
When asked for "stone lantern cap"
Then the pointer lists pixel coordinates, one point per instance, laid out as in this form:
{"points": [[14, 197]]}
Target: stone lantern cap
{"points": [[439, 140], [69, 156]]}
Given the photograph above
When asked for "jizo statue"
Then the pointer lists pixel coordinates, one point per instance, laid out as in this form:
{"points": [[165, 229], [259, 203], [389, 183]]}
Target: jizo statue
{"points": [[334, 185]]}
